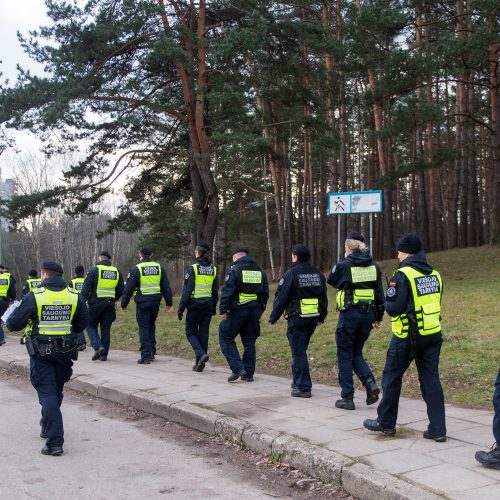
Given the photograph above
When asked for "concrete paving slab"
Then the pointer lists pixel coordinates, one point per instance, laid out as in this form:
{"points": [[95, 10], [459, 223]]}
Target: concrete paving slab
{"points": [[486, 493], [453, 425], [449, 478], [398, 461], [463, 456], [481, 436], [360, 447]]}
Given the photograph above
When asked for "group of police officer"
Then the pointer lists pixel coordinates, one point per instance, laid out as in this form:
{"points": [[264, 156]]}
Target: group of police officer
{"points": [[56, 315]]}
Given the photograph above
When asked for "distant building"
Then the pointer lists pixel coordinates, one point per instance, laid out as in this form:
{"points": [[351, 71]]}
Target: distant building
{"points": [[7, 191]]}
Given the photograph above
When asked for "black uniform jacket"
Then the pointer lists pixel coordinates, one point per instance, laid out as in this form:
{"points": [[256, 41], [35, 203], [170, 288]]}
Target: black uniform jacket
{"points": [[90, 284], [189, 281], [133, 282], [399, 298], [232, 286], [28, 310], [285, 297], [340, 277]]}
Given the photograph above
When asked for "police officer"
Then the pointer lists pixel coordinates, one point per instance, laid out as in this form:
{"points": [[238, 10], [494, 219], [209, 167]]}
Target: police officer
{"points": [[102, 287], [77, 284], [492, 458], [53, 313], [413, 301], [149, 282], [199, 296], [7, 295], [243, 300], [302, 297], [32, 282], [360, 300], [79, 279]]}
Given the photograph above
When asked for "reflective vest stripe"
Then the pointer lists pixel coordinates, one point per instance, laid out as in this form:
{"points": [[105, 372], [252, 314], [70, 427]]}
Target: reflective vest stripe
{"points": [[426, 290], [246, 297]]}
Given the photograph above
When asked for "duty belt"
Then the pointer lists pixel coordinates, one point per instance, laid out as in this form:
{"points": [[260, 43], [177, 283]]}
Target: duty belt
{"points": [[44, 347]]}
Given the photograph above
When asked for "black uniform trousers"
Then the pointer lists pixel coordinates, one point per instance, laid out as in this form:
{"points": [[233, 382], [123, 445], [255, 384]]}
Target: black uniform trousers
{"points": [[197, 328], [353, 330], [48, 374], [399, 357], [4, 305], [496, 407], [146, 314], [244, 321], [299, 333], [101, 314]]}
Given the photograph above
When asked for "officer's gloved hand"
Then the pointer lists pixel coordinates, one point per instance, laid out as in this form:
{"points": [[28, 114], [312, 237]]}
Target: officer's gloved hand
{"points": [[214, 312], [179, 315], [272, 321]]}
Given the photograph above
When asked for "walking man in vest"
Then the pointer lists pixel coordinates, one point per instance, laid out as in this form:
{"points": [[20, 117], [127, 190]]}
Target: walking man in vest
{"points": [[32, 282], [53, 313], [149, 281], [199, 297], [102, 287], [302, 297], [77, 284], [414, 302], [243, 300], [7, 295]]}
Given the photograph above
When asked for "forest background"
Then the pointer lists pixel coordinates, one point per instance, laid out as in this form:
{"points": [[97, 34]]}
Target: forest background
{"points": [[232, 120]]}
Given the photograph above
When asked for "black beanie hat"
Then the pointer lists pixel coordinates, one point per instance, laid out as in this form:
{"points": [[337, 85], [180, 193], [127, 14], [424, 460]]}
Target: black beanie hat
{"points": [[106, 254], [203, 244], [302, 252], [79, 270], [410, 243], [241, 250], [32, 273], [146, 251], [355, 235], [52, 266]]}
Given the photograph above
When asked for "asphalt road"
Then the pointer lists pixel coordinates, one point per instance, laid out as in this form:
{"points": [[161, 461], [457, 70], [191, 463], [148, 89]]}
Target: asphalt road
{"points": [[112, 452]]}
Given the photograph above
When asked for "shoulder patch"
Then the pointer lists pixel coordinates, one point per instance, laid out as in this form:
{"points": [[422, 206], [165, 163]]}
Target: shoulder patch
{"points": [[187, 276], [333, 268], [391, 291], [282, 280], [227, 277]]}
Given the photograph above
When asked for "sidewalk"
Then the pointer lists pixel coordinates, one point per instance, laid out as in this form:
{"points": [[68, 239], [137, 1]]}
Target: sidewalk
{"points": [[311, 434]]}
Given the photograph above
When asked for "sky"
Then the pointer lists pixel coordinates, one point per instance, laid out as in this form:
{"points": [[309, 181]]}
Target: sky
{"points": [[18, 15]]}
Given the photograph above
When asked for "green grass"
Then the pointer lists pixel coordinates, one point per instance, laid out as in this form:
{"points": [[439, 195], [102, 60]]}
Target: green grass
{"points": [[471, 327]]}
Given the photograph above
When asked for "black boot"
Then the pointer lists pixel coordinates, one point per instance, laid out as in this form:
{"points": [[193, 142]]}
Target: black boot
{"points": [[372, 391], [346, 403], [490, 458]]}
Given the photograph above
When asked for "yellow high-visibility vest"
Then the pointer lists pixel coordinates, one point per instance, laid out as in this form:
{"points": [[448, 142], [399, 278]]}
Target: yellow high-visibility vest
{"points": [[204, 277], [55, 310], [426, 290]]}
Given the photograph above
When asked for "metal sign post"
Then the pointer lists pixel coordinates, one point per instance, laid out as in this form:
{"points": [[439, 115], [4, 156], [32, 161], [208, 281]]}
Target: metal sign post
{"points": [[355, 202]]}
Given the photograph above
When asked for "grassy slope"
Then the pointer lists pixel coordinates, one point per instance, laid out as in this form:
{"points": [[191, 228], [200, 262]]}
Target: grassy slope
{"points": [[471, 325]]}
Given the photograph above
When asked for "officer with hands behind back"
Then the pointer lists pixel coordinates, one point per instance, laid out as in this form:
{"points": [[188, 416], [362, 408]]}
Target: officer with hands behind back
{"points": [[102, 287], [199, 296], [53, 314], [7, 294], [360, 300], [244, 297], [302, 297], [149, 282], [414, 303]]}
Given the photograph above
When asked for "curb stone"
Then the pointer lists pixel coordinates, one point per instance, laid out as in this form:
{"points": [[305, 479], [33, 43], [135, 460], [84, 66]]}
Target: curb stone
{"points": [[359, 480]]}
